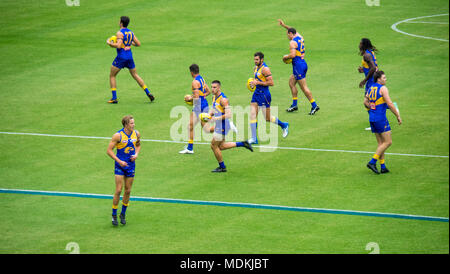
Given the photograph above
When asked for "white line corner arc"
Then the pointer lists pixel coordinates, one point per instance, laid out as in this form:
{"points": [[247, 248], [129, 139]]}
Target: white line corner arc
{"points": [[394, 27]]}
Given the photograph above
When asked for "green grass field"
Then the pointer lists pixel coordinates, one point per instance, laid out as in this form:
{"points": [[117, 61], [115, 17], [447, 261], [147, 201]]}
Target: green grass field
{"points": [[55, 80]]}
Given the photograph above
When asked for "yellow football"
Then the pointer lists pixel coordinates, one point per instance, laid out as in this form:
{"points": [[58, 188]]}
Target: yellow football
{"points": [[113, 39], [188, 99], [205, 117], [288, 61], [250, 87]]}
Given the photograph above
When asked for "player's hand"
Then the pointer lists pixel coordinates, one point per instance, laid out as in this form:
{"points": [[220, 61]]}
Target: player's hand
{"points": [[123, 163], [399, 119], [133, 157], [360, 70], [108, 41], [254, 83], [281, 22], [361, 85]]}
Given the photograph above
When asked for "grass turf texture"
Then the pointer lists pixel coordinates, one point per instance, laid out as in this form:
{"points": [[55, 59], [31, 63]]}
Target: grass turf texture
{"points": [[55, 81]]}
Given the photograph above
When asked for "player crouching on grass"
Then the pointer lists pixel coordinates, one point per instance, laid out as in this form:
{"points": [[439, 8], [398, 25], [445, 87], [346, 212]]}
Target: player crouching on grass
{"points": [[220, 113]]}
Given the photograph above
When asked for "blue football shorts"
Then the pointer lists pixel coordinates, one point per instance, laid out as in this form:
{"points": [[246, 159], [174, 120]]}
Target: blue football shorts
{"points": [[299, 70], [127, 171], [380, 126], [123, 63], [262, 98]]}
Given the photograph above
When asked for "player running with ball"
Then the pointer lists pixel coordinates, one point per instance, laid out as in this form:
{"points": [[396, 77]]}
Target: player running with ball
{"points": [[220, 113]]}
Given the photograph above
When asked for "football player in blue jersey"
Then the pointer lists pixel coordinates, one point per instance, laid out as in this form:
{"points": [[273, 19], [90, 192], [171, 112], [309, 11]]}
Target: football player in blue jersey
{"points": [[369, 64], [220, 114], [299, 68], [128, 145], [125, 39], [200, 104], [377, 101], [262, 98]]}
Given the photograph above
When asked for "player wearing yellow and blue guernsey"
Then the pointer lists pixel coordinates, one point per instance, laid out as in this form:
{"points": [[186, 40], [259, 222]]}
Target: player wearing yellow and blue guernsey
{"points": [[220, 113], [124, 59], [299, 68], [377, 101], [369, 64], [128, 145], [199, 92], [262, 98]]}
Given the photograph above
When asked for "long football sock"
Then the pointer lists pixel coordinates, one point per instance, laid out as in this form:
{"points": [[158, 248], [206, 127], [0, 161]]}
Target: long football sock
{"points": [[144, 87], [114, 94], [374, 159], [124, 209], [253, 126], [114, 210], [190, 145]]}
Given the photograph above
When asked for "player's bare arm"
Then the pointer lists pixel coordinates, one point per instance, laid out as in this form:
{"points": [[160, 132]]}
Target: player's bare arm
{"points": [[366, 102], [207, 90], [292, 51], [281, 22], [372, 68], [385, 93], [195, 89], [196, 96], [268, 75], [137, 147], [114, 141], [136, 41], [119, 42]]}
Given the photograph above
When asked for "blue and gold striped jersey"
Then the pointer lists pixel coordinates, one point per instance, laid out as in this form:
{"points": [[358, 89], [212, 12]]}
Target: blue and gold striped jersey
{"points": [[365, 65], [222, 126], [128, 36], [377, 104], [202, 90], [127, 145], [218, 109], [300, 50], [260, 76]]}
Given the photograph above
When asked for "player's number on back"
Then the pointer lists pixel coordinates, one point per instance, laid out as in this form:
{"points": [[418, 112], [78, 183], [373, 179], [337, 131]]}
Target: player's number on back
{"points": [[129, 36]]}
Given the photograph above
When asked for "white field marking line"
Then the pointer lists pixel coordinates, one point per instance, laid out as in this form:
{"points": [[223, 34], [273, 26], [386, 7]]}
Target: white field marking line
{"points": [[421, 22], [204, 143], [394, 27]]}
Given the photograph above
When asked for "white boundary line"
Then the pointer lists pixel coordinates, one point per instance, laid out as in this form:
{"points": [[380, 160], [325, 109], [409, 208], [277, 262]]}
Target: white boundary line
{"points": [[421, 22], [394, 27], [203, 143]]}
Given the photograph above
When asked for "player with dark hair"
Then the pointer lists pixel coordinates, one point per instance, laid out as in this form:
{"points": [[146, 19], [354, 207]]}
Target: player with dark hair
{"points": [[220, 113], [369, 62], [128, 145], [125, 39], [299, 68], [377, 101], [199, 92], [262, 98]]}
